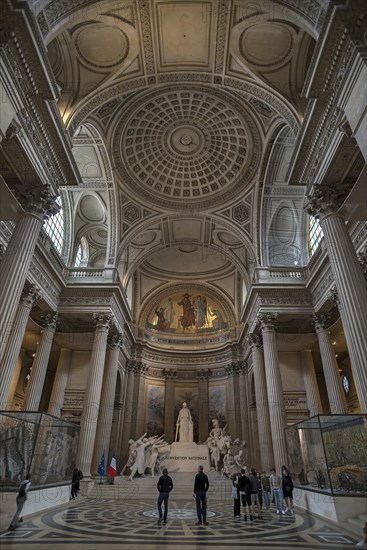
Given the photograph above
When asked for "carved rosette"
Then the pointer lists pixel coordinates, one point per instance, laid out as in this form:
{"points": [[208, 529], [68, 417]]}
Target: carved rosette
{"points": [[325, 198], [321, 321], [267, 320], [37, 200], [50, 320], [103, 320], [255, 341], [30, 295]]}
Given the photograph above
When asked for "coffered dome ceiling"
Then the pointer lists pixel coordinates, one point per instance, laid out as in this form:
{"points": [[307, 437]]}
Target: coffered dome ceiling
{"points": [[186, 145]]}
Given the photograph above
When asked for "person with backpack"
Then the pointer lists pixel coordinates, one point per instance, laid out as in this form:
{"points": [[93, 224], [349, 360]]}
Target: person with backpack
{"points": [[75, 483], [245, 489], [20, 500], [255, 488]]}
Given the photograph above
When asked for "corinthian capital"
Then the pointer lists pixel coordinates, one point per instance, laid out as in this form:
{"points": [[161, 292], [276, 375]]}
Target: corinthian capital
{"points": [[326, 198], [49, 320], [321, 321], [37, 199], [30, 295], [103, 320], [266, 320], [254, 341], [116, 341]]}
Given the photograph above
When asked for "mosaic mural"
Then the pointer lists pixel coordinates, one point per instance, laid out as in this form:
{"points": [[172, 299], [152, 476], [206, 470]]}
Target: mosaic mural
{"points": [[186, 313]]}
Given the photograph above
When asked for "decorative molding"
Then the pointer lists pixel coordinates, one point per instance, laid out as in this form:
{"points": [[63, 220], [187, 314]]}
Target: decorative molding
{"points": [[321, 321], [326, 198]]}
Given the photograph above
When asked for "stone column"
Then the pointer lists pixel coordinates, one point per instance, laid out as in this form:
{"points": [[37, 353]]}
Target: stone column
{"points": [[88, 424], [38, 205], [9, 374], [60, 381], [334, 387], [169, 405], [312, 388], [202, 377], [131, 367], [104, 424], [139, 404], [262, 406], [231, 412], [274, 389], [236, 395], [40, 364], [245, 434], [351, 284]]}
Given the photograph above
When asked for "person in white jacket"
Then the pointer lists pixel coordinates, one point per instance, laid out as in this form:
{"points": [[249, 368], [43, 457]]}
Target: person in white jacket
{"points": [[21, 498]]}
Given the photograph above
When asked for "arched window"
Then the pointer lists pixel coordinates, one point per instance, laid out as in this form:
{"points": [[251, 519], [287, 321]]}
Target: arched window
{"points": [[54, 227], [82, 255], [315, 234]]}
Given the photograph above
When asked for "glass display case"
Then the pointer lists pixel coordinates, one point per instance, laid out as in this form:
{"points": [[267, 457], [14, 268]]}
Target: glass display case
{"points": [[328, 453], [36, 443]]}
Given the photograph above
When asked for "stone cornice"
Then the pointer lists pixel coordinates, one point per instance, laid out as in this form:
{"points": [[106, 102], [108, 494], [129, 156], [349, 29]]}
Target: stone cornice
{"points": [[33, 85]]}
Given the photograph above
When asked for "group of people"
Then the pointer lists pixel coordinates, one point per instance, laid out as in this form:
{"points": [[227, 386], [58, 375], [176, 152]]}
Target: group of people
{"points": [[201, 486], [254, 491]]}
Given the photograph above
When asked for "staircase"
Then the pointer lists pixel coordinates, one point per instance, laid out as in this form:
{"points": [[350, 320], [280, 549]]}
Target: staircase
{"points": [[146, 488]]}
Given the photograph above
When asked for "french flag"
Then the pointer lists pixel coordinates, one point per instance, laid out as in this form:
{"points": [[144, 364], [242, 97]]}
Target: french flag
{"points": [[111, 470]]}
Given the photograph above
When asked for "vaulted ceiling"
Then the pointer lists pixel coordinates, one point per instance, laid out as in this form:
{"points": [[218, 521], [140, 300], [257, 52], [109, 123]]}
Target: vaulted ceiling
{"points": [[179, 110]]}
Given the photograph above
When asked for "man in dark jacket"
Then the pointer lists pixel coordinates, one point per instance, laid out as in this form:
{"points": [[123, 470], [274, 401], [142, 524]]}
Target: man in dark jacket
{"points": [[164, 486], [200, 488], [245, 489]]}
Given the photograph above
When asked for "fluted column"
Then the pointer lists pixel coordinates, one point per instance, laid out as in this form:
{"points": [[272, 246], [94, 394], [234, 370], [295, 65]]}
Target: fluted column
{"points": [[40, 364], [231, 414], [334, 387], [92, 396], [245, 434], [274, 389], [38, 204], [312, 388], [169, 404], [9, 373], [262, 407], [202, 377], [351, 284], [131, 367], [60, 381], [104, 424]]}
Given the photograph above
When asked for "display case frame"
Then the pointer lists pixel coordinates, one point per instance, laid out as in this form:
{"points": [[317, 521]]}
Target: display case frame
{"points": [[328, 454]]}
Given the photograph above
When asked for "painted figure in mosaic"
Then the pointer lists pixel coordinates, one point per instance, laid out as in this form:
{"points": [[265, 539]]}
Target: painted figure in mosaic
{"points": [[184, 425], [187, 319], [200, 311], [161, 320], [169, 312]]}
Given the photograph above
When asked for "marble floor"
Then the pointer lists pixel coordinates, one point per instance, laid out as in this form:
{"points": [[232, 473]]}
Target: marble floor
{"points": [[125, 516]]}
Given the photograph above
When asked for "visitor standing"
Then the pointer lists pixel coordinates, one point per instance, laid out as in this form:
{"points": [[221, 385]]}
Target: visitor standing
{"points": [[276, 487], [201, 487], [164, 486], [20, 500]]}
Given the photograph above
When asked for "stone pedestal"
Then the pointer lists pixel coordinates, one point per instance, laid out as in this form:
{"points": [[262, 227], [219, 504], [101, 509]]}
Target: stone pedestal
{"points": [[186, 457]]}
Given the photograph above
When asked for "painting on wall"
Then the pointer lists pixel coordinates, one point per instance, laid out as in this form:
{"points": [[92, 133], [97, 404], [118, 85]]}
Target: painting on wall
{"points": [[188, 395], [217, 404], [187, 314], [155, 410]]}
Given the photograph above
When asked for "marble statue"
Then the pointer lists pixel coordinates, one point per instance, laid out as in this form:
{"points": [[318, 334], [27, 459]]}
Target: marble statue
{"points": [[184, 425]]}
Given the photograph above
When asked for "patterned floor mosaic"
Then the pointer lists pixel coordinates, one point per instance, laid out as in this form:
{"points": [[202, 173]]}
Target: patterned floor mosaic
{"points": [[98, 523]]}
